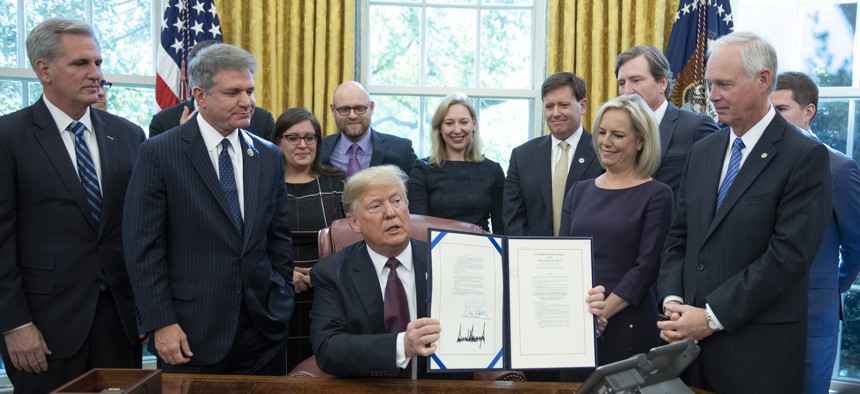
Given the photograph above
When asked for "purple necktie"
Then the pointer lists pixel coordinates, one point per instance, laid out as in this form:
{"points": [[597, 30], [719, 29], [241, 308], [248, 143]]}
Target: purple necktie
{"points": [[396, 307], [353, 166]]}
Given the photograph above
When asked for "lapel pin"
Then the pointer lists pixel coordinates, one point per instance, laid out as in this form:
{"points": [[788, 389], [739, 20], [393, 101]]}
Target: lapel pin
{"points": [[764, 155], [250, 152], [581, 160]]}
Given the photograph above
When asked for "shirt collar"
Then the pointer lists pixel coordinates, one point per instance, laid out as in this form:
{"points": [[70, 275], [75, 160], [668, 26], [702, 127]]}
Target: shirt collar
{"points": [[63, 120], [212, 138], [364, 143], [572, 141], [660, 112], [405, 258], [751, 137]]}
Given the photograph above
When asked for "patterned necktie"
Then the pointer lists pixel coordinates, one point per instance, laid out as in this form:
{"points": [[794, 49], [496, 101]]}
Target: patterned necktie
{"points": [[353, 166], [732, 171], [395, 305], [87, 170], [559, 180], [228, 184]]}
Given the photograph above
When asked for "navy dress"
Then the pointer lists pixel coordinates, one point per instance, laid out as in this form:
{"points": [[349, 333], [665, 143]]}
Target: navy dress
{"points": [[627, 227], [461, 190]]}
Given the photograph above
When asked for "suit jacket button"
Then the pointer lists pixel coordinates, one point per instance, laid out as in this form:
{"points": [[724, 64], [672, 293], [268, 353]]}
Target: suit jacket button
{"points": [[700, 267]]}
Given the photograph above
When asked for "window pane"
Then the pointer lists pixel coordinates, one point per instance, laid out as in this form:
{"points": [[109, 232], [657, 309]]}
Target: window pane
{"points": [[504, 125], [126, 47], [452, 2], [8, 34], [506, 44], [828, 31], [451, 45], [508, 2], [398, 115], [394, 47], [856, 137], [35, 91], [849, 359], [135, 104], [37, 11], [12, 98], [831, 123]]}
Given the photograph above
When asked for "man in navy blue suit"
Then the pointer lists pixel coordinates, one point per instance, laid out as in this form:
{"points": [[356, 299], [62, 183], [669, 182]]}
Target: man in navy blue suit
{"points": [[357, 146], [65, 296], [644, 70], [796, 99], [207, 232]]}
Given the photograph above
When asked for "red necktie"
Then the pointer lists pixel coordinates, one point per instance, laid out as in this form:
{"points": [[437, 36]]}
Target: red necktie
{"points": [[395, 305]]}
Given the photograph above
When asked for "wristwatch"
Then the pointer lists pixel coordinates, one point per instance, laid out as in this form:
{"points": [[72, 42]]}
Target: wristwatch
{"points": [[712, 323]]}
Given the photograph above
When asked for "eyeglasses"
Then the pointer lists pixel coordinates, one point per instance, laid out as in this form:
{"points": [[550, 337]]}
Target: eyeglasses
{"points": [[294, 139], [105, 85], [359, 110]]}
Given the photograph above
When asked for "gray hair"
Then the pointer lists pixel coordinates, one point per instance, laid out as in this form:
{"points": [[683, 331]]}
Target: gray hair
{"points": [[372, 176], [216, 58], [644, 127], [756, 53], [44, 41]]}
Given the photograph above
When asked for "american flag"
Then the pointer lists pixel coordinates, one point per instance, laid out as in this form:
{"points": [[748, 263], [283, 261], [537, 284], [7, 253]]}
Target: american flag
{"points": [[697, 22], [186, 22]]}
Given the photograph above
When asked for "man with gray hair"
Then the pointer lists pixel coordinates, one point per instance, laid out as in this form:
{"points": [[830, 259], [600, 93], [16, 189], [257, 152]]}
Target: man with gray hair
{"points": [[644, 70], [207, 233], [64, 291], [752, 208]]}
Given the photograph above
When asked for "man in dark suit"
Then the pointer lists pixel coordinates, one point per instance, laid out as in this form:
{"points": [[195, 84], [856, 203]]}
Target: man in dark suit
{"points": [[262, 123], [752, 208], [355, 327], [644, 70], [533, 198], [362, 146], [64, 291], [207, 235], [796, 99]]}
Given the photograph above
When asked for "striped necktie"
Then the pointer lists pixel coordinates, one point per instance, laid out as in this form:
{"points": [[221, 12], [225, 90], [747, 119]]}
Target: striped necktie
{"points": [[87, 170]]}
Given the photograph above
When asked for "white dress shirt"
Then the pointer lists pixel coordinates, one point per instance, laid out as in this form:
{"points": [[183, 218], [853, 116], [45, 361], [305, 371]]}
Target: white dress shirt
{"points": [[62, 121], [572, 142], [406, 273], [212, 139]]}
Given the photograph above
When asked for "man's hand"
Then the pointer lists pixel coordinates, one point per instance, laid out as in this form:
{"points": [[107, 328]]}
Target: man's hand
{"points": [[27, 349], [302, 279], [186, 115], [685, 322], [172, 345], [419, 334]]}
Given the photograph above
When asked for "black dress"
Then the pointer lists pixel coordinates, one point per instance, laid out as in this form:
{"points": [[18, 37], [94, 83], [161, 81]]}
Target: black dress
{"points": [[461, 190], [627, 227], [313, 206]]}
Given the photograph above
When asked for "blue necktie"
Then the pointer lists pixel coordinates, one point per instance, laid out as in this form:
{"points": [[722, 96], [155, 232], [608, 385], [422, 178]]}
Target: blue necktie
{"points": [[87, 170], [732, 171], [228, 184]]}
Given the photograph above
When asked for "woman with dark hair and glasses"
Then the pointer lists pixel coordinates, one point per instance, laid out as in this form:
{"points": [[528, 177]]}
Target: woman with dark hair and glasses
{"points": [[314, 192]]}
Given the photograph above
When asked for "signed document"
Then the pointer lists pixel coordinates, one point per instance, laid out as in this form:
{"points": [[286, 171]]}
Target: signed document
{"points": [[467, 299], [550, 323], [510, 302]]}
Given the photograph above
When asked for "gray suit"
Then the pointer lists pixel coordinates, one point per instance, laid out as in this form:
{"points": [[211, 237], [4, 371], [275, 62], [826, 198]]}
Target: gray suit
{"points": [[679, 130], [749, 259], [527, 203]]}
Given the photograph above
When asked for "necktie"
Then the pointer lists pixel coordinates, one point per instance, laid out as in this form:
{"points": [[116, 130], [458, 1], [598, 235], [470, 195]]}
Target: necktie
{"points": [[395, 305], [87, 170], [353, 166], [559, 180], [228, 184], [732, 171]]}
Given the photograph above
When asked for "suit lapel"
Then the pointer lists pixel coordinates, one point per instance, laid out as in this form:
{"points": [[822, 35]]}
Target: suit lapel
{"points": [[108, 157], [195, 150], [419, 266], [541, 159], [52, 143], [328, 144], [250, 174], [582, 158], [379, 148], [667, 128], [364, 273]]}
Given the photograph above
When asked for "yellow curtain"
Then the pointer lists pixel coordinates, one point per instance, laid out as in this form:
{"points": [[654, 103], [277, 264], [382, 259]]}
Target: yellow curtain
{"points": [[586, 36], [304, 49]]}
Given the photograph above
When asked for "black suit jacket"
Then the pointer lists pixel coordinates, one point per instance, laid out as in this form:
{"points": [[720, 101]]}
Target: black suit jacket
{"points": [[387, 149], [527, 204], [679, 130], [188, 262], [347, 325], [51, 250], [262, 123], [749, 259]]}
